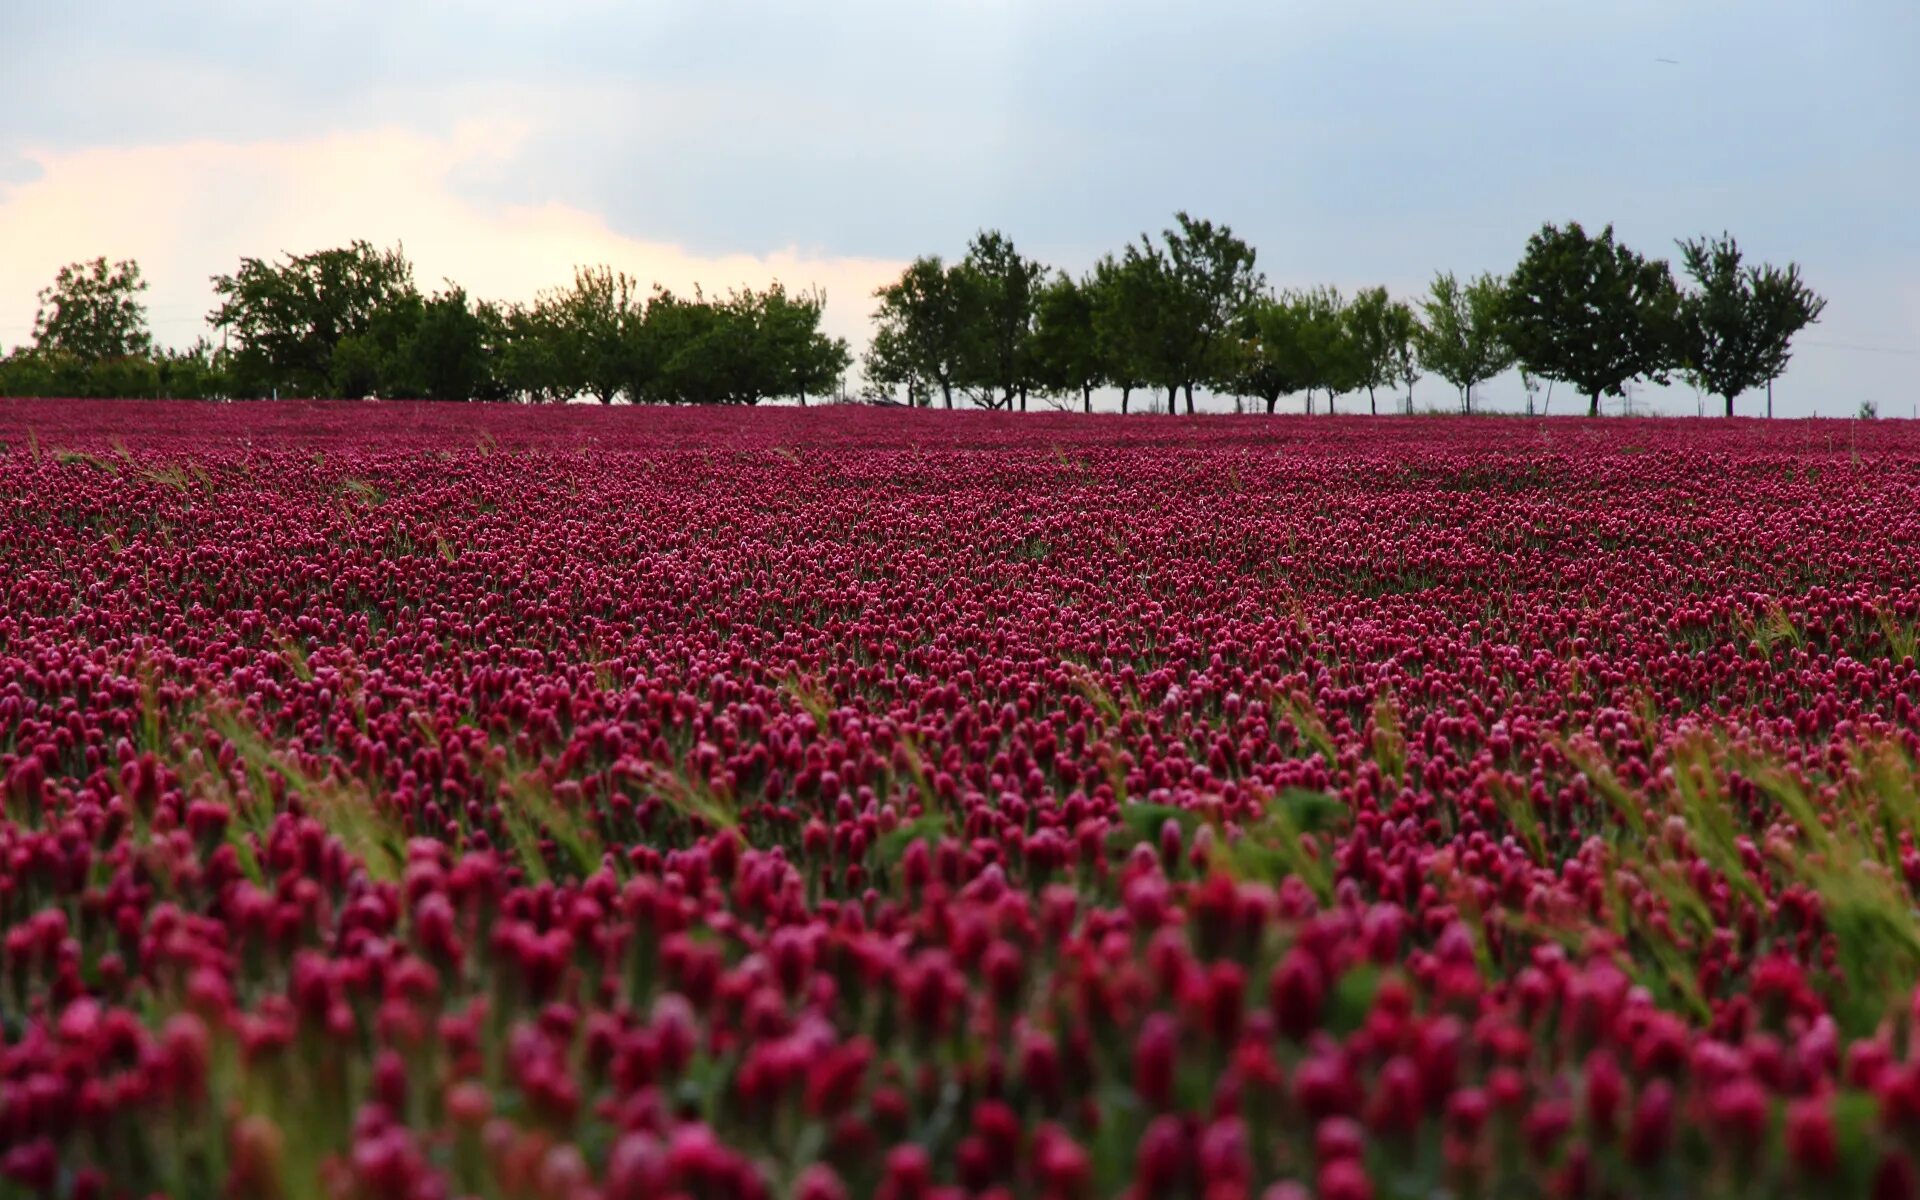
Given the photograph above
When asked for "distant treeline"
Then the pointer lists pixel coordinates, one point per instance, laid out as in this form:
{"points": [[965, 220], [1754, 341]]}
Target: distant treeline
{"points": [[1187, 310], [1190, 310], [351, 322]]}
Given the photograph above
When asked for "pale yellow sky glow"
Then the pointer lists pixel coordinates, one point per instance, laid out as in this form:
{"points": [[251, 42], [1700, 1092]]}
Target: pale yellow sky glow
{"points": [[190, 209]]}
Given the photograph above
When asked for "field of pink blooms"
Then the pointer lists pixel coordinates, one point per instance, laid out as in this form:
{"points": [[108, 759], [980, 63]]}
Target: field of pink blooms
{"points": [[440, 801]]}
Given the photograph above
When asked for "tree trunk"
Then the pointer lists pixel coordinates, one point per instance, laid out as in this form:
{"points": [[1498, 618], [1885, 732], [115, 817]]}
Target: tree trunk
{"points": [[1173, 399], [1769, 399], [1593, 405], [1126, 392], [1189, 399], [1729, 405], [1023, 397], [946, 390], [1330, 411], [1373, 406], [1086, 396], [1271, 402], [803, 397]]}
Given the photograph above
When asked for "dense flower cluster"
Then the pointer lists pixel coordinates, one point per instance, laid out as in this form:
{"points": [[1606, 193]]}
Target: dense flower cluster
{"points": [[407, 801]]}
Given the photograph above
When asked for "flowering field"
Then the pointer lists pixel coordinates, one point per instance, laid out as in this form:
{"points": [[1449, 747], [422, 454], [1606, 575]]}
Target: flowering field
{"points": [[437, 801]]}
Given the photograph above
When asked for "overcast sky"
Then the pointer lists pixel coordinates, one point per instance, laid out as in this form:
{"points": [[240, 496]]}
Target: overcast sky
{"points": [[1351, 141]]}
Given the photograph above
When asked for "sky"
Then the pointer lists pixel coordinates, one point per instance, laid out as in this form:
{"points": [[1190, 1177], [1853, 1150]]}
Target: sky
{"points": [[1352, 142]]}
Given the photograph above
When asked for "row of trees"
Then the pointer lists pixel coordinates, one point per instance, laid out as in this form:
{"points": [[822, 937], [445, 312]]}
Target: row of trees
{"points": [[1192, 310], [352, 322], [1187, 311]]}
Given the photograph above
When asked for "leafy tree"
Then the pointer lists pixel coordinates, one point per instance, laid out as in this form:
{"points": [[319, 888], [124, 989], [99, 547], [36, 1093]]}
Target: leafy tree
{"points": [[1000, 285], [1404, 332], [1372, 332], [746, 348], [1461, 340], [530, 359], [698, 356], [93, 312], [448, 354], [375, 360], [600, 342], [1200, 285], [925, 318], [1270, 362], [1066, 343], [1737, 323], [889, 363], [31, 372], [197, 373], [1591, 312], [1124, 317], [287, 319], [801, 359], [1326, 344], [27, 372]]}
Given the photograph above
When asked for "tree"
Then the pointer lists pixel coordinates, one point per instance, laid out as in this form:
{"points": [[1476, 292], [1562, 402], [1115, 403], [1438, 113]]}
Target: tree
{"points": [[1461, 340], [1066, 344], [743, 349], [1125, 316], [374, 361], [1270, 361], [1404, 332], [286, 320], [93, 312], [197, 373], [924, 318], [800, 359], [1326, 346], [1591, 312], [1203, 283], [528, 356], [600, 343], [889, 363], [1737, 323], [698, 354], [1372, 330], [447, 355], [997, 350]]}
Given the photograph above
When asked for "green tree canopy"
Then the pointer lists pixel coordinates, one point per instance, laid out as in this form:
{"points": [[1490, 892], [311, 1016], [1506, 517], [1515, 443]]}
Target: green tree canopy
{"points": [[286, 319], [1591, 312], [1066, 344], [749, 347], [1374, 324], [1199, 287], [1327, 350], [1461, 340], [1404, 332], [1270, 360], [999, 285], [1125, 320], [600, 344], [1738, 322], [924, 322], [801, 359], [93, 312]]}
